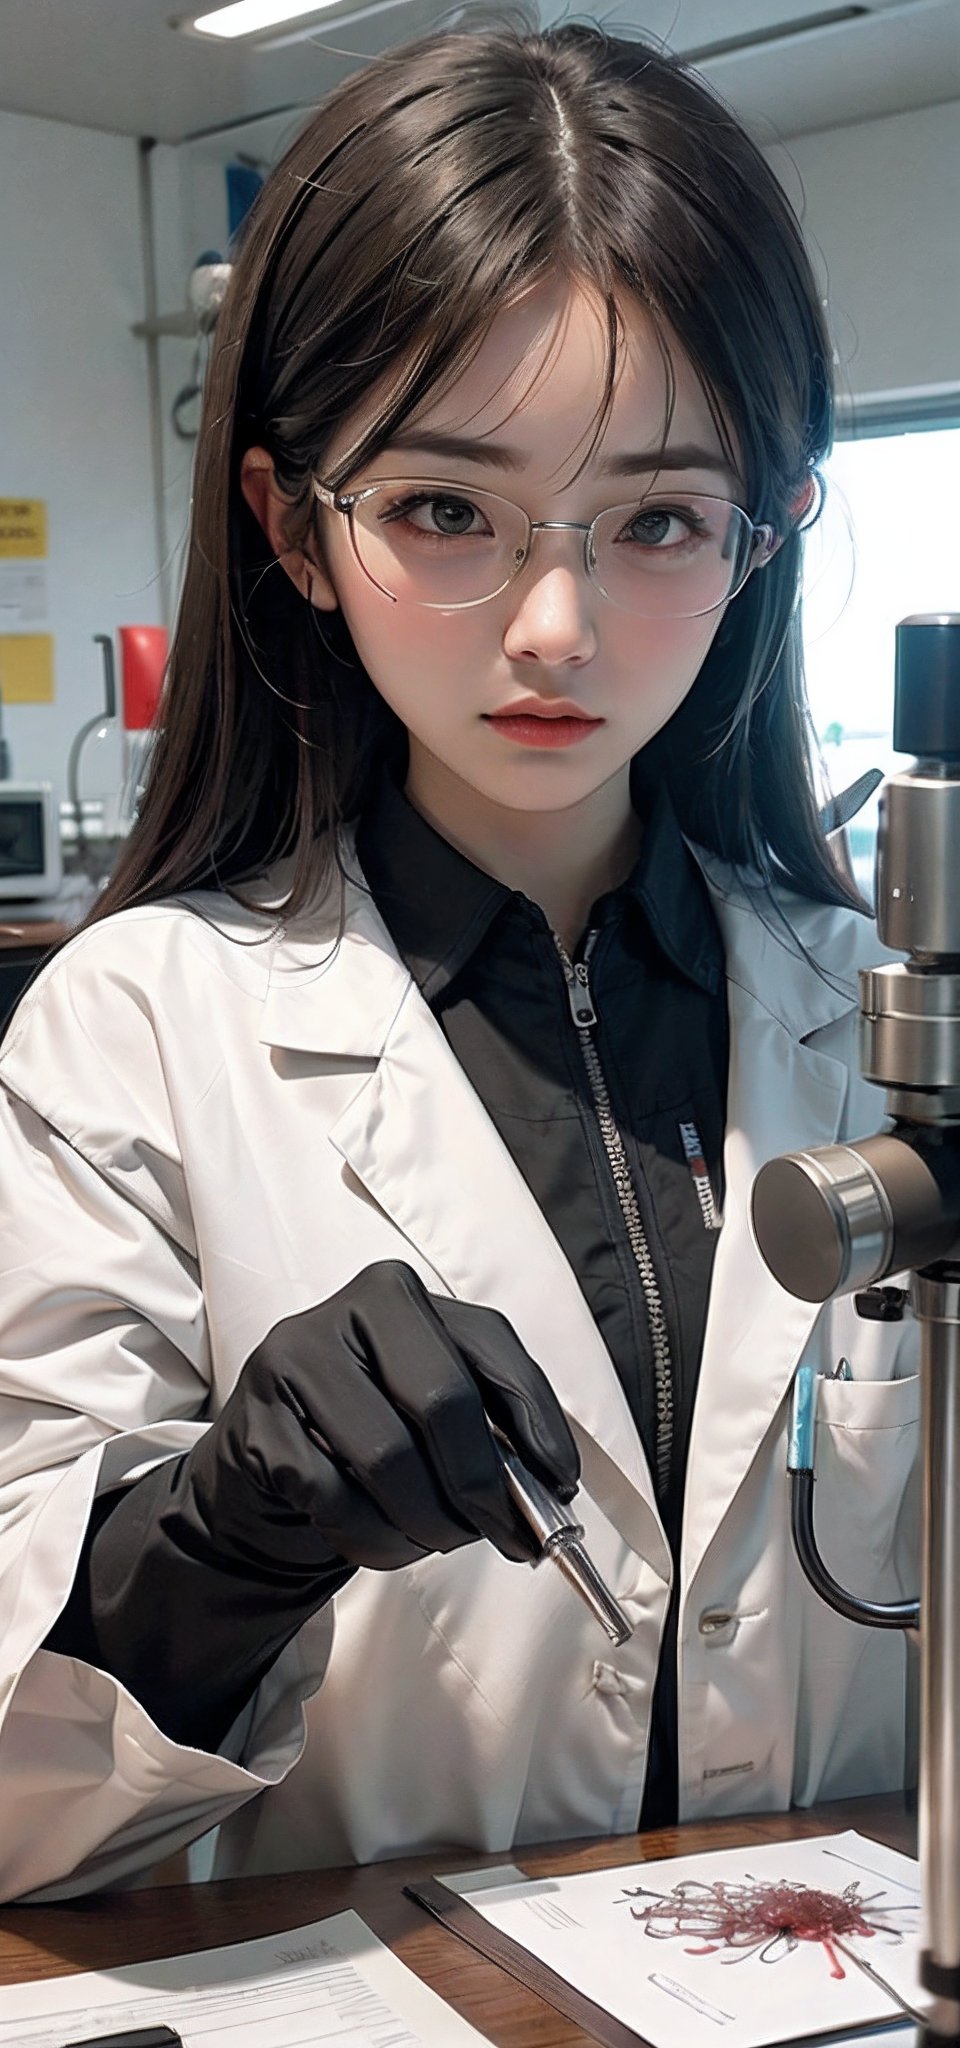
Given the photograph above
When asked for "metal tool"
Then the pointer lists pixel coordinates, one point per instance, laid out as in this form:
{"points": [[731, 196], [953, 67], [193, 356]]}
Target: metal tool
{"points": [[559, 1536], [561, 1540]]}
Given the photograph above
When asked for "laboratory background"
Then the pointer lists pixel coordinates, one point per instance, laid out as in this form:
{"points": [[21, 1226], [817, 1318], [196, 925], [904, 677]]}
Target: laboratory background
{"points": [[134, 138], [132, 143]]}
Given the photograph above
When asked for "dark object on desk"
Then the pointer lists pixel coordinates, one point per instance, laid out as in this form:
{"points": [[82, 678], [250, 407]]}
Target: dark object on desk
{"points": [[131, 2037], [459, 1917], [28, 933], [18, 965]]}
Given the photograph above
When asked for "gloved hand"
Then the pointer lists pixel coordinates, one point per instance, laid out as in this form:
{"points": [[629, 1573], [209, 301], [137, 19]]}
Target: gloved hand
{"points": [[361, 1426], [356, 1435]]}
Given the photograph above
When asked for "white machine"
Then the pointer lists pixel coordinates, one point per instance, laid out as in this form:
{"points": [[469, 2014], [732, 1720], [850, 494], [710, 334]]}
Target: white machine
{"points": [[30, 861]]}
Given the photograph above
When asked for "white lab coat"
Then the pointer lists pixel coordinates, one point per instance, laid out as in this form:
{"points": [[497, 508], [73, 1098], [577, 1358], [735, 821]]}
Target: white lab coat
{"points": [[207, 1125]]}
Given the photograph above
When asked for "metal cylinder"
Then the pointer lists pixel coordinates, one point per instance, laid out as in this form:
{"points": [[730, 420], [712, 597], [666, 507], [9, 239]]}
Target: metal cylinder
{"points": [[918, 846], [936, 1303], [840, 1218], [910, 1028], [926, 714]]}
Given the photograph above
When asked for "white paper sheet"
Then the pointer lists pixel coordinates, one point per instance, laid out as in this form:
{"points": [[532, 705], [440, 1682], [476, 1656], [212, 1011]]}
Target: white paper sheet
{"points": [[668, 1987], [23, 596], [332, 1981]]}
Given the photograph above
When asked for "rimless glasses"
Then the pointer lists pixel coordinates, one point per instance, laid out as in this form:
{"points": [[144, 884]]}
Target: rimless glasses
{"points": [[676, 555]]}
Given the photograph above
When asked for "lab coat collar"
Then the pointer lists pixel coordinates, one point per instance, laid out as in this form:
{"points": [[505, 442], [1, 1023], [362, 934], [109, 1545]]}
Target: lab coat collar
{"points": [[805, 983], [336, 981]]}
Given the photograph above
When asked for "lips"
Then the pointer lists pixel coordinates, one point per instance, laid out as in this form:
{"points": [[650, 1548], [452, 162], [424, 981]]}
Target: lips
{"points": [[538, 707], [557, 727]]}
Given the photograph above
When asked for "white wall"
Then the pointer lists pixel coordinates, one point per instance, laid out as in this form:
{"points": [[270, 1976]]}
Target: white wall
{"points": [[191, 220], [73, 410], [880, 203]]}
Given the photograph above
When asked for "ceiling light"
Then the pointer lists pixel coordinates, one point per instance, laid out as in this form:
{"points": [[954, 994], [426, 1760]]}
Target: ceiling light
{"points": [[252, 17]]}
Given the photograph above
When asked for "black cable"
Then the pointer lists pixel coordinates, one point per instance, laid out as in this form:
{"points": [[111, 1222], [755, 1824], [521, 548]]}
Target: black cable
{"points": [[870, 1613]]}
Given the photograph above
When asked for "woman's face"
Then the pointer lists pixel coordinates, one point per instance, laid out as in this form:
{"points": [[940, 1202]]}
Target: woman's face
{"points": [[517, 423]]}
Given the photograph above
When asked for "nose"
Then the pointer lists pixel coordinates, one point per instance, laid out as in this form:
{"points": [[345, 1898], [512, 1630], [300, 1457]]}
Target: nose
{"points": [[552, 605]]}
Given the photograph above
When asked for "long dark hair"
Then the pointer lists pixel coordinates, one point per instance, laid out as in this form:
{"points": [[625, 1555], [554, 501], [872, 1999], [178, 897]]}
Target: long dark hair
{"points": [[427, 193]]}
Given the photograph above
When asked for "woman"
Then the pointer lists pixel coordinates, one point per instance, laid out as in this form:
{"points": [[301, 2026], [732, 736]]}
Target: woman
{"points": [[476, 943]]}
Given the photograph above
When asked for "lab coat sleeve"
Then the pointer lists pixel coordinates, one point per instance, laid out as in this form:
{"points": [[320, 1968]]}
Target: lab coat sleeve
{"points": [[104, 1368]]}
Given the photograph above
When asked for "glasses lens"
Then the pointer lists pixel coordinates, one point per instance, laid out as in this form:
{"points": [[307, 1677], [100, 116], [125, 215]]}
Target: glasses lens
{"points": [[431, 544], [672, 557]]}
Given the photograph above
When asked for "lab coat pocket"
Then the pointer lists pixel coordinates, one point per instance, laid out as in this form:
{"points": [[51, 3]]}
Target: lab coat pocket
{"points": [[850, 1708], [866, 1495]]}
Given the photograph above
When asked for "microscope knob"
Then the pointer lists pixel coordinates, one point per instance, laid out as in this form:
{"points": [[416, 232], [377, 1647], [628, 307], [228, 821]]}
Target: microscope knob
{"points": [[835, 1220], [822, 1222]]}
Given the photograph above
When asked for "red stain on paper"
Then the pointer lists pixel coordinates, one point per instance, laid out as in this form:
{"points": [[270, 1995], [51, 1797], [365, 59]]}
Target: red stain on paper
{"points": [[765, 1920]]}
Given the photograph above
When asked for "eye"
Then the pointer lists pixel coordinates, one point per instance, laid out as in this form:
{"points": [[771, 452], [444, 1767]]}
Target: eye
{"points": [[663, 526], [443, 517]]}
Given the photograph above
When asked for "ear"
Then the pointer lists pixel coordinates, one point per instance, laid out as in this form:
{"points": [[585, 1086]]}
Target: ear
{"points": [[804, 499], [271, 507]]}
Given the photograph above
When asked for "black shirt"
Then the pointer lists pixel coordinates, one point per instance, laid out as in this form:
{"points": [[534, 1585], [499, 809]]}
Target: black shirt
{"points": [[614, 1126]]}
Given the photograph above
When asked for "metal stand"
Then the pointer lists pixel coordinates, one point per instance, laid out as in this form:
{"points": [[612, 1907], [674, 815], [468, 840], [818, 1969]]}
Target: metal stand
{"points": [[935, 1297], [847, 1216], [936, 1303]]}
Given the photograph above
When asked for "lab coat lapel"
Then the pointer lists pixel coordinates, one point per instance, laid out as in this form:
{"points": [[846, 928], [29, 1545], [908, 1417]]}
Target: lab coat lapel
{"points": [[418, 1139], [783, 1095]]}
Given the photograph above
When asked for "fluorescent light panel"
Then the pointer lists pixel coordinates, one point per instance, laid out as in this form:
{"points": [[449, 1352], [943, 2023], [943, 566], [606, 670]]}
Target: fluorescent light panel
{"points": [[250, 17]]}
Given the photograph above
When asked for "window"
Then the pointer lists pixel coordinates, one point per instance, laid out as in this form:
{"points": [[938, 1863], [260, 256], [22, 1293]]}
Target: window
{"points": [[888, 545]]}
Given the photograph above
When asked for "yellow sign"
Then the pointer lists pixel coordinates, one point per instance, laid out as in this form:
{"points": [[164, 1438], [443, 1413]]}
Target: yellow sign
{"points": [[26, 668], [23, 528]]}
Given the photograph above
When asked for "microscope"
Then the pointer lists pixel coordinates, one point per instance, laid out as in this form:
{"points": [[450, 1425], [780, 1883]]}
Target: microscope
{"points": [[841, 1219]]}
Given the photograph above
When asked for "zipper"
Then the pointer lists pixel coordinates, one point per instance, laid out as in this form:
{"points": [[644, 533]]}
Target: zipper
{"points": [[583, 1012]]}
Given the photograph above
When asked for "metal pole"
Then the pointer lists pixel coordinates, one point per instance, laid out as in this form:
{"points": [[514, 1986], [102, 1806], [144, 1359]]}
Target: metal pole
{"points": [[145, 149], [936, 1301]]}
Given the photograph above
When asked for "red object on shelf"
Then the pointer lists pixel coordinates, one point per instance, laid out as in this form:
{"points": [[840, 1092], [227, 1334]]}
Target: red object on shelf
{"points": [[143, 658]]}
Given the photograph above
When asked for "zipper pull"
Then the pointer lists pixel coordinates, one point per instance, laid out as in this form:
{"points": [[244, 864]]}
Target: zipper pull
{"points": [[581, 1000], [576, 974], [578, 987]]}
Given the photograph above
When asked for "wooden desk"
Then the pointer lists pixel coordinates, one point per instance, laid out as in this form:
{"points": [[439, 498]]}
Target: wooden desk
{"points": [[127, 1927], [23, 946], [20, 935]]}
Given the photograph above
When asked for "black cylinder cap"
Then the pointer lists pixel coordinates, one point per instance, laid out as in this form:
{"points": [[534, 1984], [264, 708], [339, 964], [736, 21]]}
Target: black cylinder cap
{"points": [[926, 716]]}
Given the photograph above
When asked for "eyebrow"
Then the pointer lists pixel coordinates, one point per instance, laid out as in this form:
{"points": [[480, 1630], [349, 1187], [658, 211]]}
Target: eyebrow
{"points": [[469, 448]]}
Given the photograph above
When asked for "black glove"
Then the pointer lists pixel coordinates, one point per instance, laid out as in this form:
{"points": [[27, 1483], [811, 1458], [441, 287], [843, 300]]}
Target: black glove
{"points": [[363, 1422], [356, 1435]]}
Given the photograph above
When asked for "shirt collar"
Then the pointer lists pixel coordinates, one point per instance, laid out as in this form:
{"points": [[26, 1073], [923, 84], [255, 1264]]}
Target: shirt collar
{"points": [[668, 885], [439, 907]]}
